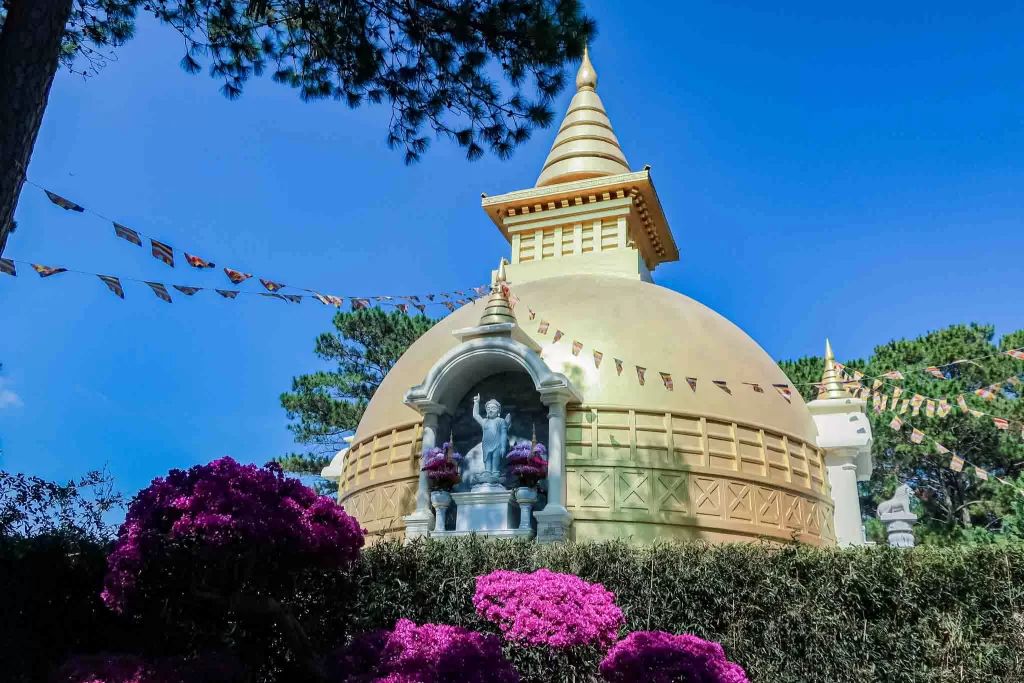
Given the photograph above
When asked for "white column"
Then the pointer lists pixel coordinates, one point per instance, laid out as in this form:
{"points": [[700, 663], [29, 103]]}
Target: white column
{"points": [[842, 477], [554, 520], [418, 523]]}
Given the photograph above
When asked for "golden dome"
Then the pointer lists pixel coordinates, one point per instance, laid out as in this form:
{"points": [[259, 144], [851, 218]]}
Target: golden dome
{"points": [[638, 322], [586, 146]]}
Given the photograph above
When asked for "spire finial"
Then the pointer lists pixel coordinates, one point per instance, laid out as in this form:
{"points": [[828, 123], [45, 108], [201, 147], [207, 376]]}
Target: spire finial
{"points": [[498, 308], [831, 386], [586, 77]]}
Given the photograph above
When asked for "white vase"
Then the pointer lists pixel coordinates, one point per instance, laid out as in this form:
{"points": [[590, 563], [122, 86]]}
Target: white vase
{"points": [[526, 497], [441, 500]]}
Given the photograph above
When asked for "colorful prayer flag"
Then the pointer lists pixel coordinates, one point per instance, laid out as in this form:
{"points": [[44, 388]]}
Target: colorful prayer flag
{"points": [[917, 436], [857, 375], [187, 291], [414, 299], [227, 293], [756, 387], [1000, 423], [513, 300], [944, 408], [162, 252], [63, 203], [197, 262], [449, 305], [1014, 380], [692, 381], [876, 384], [896, 424], [720, 383], [422, 308], [464, 294], [236, 276], [127, 234], [160, 291], [576, 348], [270, 285], [558, 335], [667, 379], [1015, 353], [976, 413], [480, 291], [294, 298], [360, 304], [962, 402], [460, 302], [980, 473], [7, 267], [896, 393], [929, 409], [543, 327], [986, 393], [934, 372], [893, 374], [885, 400], [47, 271], [915, 403], [533, 314], [940, 449], [430, 297], [404, 308], [274, 295], [597, 359], [904, 406], [113, 284], [956, 464], [640, 374], [783, 389], [618, 366]]}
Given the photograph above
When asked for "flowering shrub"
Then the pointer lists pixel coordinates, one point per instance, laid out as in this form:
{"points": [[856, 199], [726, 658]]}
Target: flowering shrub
{"points": [[430, 653], [529, 467], [659, 657], [544, 608], [442, 467], [130, 669], [223, 515]]}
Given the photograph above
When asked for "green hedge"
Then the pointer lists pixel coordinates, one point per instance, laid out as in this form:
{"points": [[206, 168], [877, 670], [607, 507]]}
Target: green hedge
{"points": [[785, 613]]}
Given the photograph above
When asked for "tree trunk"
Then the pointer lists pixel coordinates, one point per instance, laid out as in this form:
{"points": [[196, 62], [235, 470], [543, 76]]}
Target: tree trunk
{"points": [[29, 54]]}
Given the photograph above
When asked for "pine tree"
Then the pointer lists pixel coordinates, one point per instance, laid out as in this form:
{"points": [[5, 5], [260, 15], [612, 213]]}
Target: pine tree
{"points": [[431, 60], [954, 506], [326, 406]]}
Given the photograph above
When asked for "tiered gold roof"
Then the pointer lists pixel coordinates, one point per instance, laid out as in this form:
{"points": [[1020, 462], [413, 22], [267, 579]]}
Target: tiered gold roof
{"points": [[586, 146], [832, 387]]}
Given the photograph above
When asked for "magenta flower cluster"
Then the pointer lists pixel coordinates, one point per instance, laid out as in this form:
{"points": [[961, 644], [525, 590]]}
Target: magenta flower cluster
{"points": [[659, 657], [529, 466], [225, 506], [442, 467], [545, 608], [431, 653], [131, 669]]}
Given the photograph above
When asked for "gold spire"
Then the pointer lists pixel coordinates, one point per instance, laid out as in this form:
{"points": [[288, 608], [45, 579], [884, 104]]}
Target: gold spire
{"points": [[498, 310], [586, 146], [830, 378], [586, 77]]}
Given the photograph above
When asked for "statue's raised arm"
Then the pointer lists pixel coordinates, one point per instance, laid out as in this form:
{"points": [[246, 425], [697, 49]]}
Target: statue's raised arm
{"points": [[508, 420], [476, 410]]}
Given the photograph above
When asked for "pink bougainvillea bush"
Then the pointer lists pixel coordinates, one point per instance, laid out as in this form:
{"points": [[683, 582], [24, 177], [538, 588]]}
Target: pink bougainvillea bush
{"points": [[222, 526], [545, 608], [430, 653], [131, 669], [659, 657]]}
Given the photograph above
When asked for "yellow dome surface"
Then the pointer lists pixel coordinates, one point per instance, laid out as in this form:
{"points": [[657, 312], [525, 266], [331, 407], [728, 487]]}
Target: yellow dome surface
{"points": [[635, 321]]}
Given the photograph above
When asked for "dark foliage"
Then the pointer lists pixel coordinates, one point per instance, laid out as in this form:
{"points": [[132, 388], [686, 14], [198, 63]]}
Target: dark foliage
{"points": [[786, 614]]}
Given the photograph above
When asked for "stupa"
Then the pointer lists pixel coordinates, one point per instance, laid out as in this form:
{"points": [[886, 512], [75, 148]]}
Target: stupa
{"points": [[640, 460]]}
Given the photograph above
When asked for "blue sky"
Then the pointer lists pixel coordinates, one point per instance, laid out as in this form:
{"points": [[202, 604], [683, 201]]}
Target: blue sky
{"points": [[852, 172]]}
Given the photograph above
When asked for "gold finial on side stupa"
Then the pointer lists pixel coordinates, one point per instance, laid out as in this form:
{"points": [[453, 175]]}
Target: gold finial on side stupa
{"points": [[831, 385], [498, 310], [586, 77]]}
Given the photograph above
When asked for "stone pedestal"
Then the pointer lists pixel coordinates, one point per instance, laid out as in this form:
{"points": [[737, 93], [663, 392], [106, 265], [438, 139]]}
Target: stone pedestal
{"points": [[552, 523], [527, 498], [486, 513], [440, 500], [899, 526]]}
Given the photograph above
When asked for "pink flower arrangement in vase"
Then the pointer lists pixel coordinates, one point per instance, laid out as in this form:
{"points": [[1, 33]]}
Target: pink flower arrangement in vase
{"points": [[528, 463], [442, 467]]}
